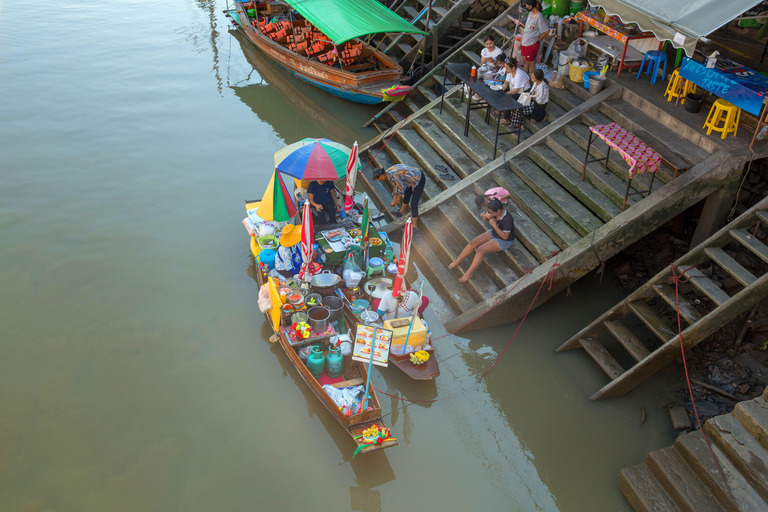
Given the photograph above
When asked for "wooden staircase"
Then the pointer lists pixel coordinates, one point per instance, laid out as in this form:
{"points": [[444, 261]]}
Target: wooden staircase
{"points": [[738, 251], [684, 476]]}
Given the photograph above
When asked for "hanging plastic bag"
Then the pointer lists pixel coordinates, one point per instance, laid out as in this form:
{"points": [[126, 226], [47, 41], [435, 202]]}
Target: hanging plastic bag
{"points": [[352, 273], [579, 47], [265, 303]]}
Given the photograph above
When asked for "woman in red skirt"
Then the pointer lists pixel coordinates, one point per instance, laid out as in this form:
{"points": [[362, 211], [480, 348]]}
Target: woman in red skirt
{"points": [[536, 29]]}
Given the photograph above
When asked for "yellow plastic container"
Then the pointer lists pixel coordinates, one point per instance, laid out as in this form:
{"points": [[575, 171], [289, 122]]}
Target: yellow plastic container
{"points": [[418, 332], [576, 73]]}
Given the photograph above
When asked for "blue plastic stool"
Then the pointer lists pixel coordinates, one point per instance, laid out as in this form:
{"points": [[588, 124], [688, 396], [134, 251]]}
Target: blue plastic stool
{"points": [[654, 58]]}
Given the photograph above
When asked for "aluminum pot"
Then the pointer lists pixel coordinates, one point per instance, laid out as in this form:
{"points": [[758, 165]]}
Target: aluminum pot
{"points": [[325, 283], [334, 305], [318, 319]]}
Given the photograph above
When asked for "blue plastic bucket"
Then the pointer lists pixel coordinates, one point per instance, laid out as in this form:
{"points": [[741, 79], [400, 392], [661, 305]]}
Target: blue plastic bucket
{"points": [[267, 257], [586, 77]]}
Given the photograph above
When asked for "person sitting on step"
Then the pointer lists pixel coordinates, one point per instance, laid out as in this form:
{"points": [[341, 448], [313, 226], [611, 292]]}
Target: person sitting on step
{"points": [[499, 193], [515, 83], [498, 238]]}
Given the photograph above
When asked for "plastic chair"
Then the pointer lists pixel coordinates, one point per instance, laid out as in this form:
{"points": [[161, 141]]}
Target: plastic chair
{"points": [[723, 111], [654, 58], [375, 265], [679, 87]]}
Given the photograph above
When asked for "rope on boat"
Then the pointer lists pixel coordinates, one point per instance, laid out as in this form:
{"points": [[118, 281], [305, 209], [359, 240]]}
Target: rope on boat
{"points": [[677, 280]]}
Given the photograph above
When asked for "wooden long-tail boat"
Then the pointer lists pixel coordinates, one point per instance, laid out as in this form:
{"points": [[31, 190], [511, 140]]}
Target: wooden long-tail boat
{"points": [[347, 68]]}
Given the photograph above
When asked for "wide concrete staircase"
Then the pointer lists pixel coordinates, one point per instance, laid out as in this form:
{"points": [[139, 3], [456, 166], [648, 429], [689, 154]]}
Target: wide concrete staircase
{"points": [[684, 477], [552, 207], [729, 274]]}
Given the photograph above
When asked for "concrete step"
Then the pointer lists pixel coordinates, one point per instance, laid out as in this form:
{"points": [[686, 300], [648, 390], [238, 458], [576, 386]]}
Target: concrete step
{"points": [[608, 183], [457, 160], [472, 57], [753, 415], [449, 247], [471, 145], [485, 132], [680, 483], [568, 207], [634, 120], [418, 153], [742, 449], [538, 210], [570, 179], [643, 491], [601, 356], [655, 324], [628, 340], [379, 191], [739, 494], [410, 12]]}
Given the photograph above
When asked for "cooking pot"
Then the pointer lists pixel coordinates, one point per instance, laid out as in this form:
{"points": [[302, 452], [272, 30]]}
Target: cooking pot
{"points": [[368, 316], [325, 283], [334, 305], [318, 319]]}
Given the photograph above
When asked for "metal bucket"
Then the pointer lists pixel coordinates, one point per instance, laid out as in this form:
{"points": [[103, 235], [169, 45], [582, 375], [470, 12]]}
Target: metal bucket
{"points": [[313, 299], [333, 305], [318, 319], [596, 84]]}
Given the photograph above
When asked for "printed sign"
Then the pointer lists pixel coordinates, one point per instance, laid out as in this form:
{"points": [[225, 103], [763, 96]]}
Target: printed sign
{"points": [[362, 349], [734, 83]]}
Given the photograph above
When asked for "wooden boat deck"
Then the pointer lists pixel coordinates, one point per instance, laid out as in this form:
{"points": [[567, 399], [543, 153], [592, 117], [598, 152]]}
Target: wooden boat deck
{"points": [[558, 217]]}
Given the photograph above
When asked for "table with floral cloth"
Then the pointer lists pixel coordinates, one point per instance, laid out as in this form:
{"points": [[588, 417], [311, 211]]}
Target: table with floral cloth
{"points": [[634, 151]]}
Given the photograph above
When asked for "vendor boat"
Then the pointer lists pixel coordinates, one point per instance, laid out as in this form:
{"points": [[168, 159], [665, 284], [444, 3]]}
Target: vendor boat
{"points": [[319, 42]]}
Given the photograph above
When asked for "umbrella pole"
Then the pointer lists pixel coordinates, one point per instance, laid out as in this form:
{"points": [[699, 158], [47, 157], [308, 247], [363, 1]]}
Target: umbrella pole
{"points": [[413, 318], [370, 369]]}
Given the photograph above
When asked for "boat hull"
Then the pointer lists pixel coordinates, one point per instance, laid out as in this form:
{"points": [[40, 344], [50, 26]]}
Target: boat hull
{"points": [[363, 87]]}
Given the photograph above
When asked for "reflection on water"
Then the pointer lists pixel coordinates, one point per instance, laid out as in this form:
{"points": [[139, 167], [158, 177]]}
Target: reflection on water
{"points": [[135, 371]]}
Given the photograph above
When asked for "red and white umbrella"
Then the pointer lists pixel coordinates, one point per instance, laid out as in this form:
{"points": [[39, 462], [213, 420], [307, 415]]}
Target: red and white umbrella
{"points": [[307, 242], [352, 165], [402, 261]]}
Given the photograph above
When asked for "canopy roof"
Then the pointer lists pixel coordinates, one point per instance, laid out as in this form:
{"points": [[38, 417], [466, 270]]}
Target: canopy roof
{"points": [[683, 22], [342, 20]]}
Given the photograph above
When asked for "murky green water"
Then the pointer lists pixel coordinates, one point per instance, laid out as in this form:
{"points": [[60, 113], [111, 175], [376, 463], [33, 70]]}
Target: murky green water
{"points": [[134, 371]]}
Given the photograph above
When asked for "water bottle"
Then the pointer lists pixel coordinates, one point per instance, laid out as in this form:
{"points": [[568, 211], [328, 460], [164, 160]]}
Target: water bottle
{"points": [[473, 73], [761, 134]]}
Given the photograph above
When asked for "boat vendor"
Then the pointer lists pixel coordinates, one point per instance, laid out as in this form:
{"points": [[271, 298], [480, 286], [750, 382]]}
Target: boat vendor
{"points": [[407, 186], [390, 307], [498, 238], [323, 199], [288, 258], [499, 193]]}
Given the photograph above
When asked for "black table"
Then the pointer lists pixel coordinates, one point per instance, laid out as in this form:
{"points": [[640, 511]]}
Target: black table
{"points": [[499, 100]]}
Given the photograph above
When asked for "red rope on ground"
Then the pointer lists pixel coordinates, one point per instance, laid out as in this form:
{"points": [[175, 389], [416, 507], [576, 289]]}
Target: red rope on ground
{"points": [[677, 280], [551, 270]]}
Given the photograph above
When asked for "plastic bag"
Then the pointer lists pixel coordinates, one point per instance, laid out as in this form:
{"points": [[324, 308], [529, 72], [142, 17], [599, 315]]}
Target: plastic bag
{"points": [[579, 47], [304, 352], [352, 273], [265, 303], [556, 81]]}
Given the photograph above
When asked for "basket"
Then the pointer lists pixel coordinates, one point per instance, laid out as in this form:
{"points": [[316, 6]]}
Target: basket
{"points": [[268, 242], [576, 73]]}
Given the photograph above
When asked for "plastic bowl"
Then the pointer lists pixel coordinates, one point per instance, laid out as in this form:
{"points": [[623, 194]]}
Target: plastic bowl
{"points": [[495, 87]]}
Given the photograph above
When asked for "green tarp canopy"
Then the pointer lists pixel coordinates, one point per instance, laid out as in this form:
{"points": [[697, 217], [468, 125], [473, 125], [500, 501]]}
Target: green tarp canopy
{"points": [[342, 20]]}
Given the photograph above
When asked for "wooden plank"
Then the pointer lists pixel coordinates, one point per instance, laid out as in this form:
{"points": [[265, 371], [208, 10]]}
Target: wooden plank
{"points": [[348, 383], [730, 265], [601, 356], [643, 491], [570, 179], [762, 215], [646, 315], [705, 285], [569, 208], [751, 242], [629, 341], [687, 310]]}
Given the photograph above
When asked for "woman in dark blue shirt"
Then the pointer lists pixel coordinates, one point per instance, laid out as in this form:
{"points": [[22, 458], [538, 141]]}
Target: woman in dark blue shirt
{"points": [[322, 197], [498, 238]]}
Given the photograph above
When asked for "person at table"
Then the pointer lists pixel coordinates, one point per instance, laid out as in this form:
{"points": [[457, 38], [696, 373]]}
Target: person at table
{"points": [[514, 84], [501, 64], [536, 29], [407, 186], [498, 238], [488, 56], [499, 193], [400, 306], [323, 199], [539, 98]]}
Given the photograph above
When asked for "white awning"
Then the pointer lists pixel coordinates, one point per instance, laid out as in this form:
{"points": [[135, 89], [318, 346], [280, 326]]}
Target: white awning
{"points": [[683, 22]]}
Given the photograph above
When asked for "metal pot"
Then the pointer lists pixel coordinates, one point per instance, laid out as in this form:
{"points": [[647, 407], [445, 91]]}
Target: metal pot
{"points": [[334, 305], [318, 319], [313, 299], [368, 316], [325, 283]]}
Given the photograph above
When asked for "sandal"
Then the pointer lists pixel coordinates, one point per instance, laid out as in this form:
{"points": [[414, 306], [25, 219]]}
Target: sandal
{"points": [[448, 177], [442, 169]]}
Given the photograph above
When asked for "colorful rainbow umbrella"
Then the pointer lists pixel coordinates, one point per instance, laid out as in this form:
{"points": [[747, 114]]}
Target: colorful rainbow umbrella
{"points": [[402, 262], [353, 164], [277, 203], [313, 159]]}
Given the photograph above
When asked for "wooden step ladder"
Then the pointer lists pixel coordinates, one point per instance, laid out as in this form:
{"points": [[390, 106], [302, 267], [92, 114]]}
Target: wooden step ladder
{"points": [[704, 315]]}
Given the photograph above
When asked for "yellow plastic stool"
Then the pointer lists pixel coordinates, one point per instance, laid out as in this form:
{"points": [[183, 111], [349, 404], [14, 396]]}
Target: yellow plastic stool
{"points": [[722, 109], [679, 87]]}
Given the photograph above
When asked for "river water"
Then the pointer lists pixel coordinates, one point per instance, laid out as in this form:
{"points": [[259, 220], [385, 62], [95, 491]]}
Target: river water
{"points": [[135, 371]]}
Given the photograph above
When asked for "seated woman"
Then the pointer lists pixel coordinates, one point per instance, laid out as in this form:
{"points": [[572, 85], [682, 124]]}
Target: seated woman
{"points": [[499, 193], [498, 238], [322, 197], [539, 98], [514, 83], [488, 56], [389, 306]]}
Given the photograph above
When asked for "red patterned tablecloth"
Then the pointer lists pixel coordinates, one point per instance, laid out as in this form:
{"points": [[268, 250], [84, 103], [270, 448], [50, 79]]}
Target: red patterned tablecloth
{"points": [[613, 28], [635, 152]]}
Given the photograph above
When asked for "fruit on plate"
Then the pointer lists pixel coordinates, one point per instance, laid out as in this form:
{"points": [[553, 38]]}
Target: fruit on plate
{"points": [[376, 241]]}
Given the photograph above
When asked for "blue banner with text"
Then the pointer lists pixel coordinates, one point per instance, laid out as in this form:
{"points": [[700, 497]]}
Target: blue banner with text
{"points": [[741, 86]]}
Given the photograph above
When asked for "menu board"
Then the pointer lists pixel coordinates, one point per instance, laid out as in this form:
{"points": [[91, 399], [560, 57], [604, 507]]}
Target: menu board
{"points": [[362, 348]]}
